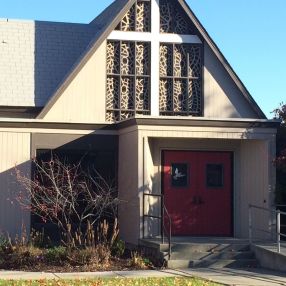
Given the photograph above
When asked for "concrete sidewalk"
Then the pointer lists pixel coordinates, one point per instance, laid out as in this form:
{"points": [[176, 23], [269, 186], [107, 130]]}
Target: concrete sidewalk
{"points": [[249, 277]]}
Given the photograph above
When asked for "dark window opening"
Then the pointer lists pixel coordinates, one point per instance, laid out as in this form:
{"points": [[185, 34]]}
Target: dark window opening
{"points": [[214, 174]]}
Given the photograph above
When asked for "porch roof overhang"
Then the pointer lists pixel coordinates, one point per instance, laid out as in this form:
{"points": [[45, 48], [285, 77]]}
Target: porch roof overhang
{"points": [[178, 121], [199, 122], [52, 125]]}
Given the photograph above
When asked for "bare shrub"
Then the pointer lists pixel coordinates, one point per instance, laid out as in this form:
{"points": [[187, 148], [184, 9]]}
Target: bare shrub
{"points": [[138, 261], [74, 199]]}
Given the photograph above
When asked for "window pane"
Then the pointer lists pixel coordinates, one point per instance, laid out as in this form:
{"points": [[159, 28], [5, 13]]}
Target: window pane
{"points": [[214, 175]]}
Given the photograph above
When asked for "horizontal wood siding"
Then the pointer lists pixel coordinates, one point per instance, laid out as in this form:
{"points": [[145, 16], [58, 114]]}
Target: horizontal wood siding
{"points": [[129, 210], [222, 98], [14, 150], [257, 183], [83, 101]]}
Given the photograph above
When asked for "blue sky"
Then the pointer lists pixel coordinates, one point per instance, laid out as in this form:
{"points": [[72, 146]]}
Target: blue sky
{"points": [[250, 33]]}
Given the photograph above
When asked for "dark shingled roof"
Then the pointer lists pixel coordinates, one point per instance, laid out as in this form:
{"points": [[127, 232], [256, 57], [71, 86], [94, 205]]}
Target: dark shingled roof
{"points": [[35, 56]]}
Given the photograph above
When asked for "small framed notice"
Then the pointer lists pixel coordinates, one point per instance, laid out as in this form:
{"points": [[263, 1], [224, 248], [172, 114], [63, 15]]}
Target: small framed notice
{"points": [[179, 175]]}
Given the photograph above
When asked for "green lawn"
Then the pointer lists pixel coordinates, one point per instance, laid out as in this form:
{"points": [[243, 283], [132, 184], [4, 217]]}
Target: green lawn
{"points": [[114, 282]]}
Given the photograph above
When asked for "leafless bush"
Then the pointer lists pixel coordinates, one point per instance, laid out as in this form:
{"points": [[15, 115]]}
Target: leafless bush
{"points": [[74, 199]]}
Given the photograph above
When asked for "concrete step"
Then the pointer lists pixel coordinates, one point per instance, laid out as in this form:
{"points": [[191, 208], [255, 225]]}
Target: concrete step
{"points": [[268, 257], [215, 263], [195, 255], [197, 252], [206, 247]]}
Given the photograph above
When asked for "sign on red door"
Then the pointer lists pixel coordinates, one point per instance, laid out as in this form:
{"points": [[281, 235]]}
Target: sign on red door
{"points": [[197, 187]]}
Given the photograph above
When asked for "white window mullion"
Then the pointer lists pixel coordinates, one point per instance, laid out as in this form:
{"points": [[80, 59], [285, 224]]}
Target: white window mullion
{"points": [[130, 36], [179, 39], [148, 37], [155, 58]]}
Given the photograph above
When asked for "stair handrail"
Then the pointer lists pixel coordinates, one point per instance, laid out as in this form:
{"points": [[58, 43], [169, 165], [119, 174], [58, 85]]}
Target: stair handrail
{"points": [[164, 212], [278, 214]]}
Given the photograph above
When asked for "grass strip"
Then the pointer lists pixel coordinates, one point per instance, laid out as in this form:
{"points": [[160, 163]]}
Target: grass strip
{"points": [[174, 281]]}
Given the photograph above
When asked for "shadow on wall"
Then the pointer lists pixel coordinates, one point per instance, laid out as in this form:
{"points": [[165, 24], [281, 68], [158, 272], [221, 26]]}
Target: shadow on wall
{"points": [[220, 84], [58, 46], [12, 217], [99, 150], [152, 209]]}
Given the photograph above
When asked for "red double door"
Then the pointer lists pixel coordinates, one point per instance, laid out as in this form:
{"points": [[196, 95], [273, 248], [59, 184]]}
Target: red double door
{"points": [[197, 188]]}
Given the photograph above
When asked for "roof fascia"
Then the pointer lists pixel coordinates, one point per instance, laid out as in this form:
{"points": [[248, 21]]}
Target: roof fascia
{"points": [[39, 124], [19, 111], [143, 121]]}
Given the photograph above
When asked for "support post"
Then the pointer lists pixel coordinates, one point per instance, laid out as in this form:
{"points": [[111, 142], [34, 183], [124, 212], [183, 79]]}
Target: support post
{"points": [[143, 215], [250, 224], [162, 219], [278, 231]]}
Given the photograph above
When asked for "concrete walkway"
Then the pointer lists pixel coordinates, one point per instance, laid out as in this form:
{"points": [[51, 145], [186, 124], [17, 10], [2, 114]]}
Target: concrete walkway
{"points": [[239, 277], [250, 277]]}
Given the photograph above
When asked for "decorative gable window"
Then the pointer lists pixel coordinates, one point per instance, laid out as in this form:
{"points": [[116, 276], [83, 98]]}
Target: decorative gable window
{"points": [[174, 20], [128, 79], [154, 69], [180, 79], [138, 18]]}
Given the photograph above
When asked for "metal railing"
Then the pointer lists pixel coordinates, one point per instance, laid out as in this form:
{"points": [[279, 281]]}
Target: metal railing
{"points": [[165, 212], [163, 216], [278, 233], [280, 206]]}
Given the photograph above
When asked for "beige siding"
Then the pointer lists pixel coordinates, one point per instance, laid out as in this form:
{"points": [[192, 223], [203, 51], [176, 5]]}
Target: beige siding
{"points": [[148, 181], [207, 132], [84, 98], [257, 184], [129, 210], [222, 98], [83, 101], [15, 150]]}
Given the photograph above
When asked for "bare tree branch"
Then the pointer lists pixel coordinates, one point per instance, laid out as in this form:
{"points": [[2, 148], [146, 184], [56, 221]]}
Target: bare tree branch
{"points": [[67, 195]]}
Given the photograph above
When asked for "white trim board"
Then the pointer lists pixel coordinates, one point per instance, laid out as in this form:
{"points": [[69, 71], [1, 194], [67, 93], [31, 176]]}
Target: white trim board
{"points": [[148, 37], [155, 58]]}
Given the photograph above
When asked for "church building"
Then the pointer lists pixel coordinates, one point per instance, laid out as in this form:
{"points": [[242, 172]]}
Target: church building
{"points": [[147, 94]]}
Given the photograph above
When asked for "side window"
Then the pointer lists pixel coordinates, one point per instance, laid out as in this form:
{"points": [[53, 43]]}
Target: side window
{"points": [[180, 175], [214, 176]]}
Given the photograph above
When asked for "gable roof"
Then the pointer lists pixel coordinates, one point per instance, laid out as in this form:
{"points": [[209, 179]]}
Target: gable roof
{"points": [[35, 56], [106, 23]]}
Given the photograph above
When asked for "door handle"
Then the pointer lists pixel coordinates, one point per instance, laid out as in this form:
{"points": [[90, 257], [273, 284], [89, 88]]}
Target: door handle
{"points": [[197, 200]]}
